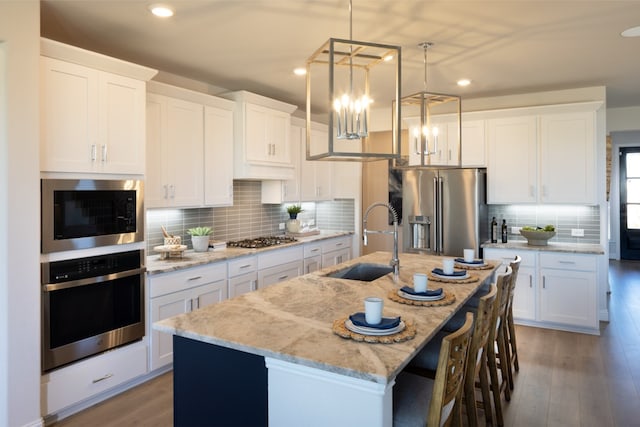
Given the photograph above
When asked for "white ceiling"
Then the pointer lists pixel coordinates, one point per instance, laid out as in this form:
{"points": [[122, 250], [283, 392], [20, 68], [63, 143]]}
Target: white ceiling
{"points": [[504, 47]]}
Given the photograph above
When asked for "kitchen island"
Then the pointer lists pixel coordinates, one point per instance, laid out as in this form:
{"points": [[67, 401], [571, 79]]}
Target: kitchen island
{"points": [[271, 357]]}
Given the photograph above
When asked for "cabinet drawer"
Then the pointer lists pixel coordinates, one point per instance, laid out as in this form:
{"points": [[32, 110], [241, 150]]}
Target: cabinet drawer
{"points": [[242, 265], [280, 273], [279, 256], [336, 244], [166, 283], [68, 386], [508, 255], [312, 249], [568, 262]]}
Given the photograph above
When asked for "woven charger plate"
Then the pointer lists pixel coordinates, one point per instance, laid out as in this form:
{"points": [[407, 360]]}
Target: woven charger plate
{"points": [[472, 278], [486, 266], [448, 299], [406, 334]]}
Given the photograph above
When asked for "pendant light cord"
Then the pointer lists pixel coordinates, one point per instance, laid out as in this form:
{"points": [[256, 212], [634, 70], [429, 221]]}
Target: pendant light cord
{"points": [[425, 46]]}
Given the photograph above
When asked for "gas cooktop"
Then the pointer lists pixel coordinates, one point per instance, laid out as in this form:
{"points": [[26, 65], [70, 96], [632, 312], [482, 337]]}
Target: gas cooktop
{"points": [[261, 242]]}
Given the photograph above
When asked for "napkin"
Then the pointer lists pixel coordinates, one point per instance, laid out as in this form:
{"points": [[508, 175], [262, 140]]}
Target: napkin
{"points": [[358, 319], [475, 261], [440, 272], [428, 293]]}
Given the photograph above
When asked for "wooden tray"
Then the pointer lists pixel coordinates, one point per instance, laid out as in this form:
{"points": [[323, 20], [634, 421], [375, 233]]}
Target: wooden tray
{"points": [[341, 330], [486, 266], [448, 299]]}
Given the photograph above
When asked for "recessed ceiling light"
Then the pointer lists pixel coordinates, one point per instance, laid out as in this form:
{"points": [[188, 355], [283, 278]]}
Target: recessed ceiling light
{"points": [[464, 82], [300, 71], [631, 32], [161, 10]]}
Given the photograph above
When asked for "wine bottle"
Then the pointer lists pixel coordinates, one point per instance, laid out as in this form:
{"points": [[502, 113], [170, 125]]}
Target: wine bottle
{"points": [[494, 230], [504, 231]]}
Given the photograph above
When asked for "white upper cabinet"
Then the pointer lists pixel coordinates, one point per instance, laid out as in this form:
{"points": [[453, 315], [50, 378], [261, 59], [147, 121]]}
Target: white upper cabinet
{"points": [[316, 176], [189, 148], [545, 157], [568, 161], [473, 141], [92, 111], [174, 176], [512, 173], [218, 156], [92, 121], [261, 137]]}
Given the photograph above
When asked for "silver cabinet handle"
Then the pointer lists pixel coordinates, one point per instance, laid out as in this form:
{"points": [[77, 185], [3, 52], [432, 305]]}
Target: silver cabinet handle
{"points": [[254, 285], [93, 152], [566, 262], [544, 284], [531, 281], [173, 191], [197, 304], [190, 306], [104, 153], [194, 278], [106, 377], [315, 250], [245, 266], [166, 191]]}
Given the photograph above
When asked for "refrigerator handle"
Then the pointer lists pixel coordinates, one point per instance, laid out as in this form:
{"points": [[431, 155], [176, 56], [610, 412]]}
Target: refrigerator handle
{"points": [[440, 226]]}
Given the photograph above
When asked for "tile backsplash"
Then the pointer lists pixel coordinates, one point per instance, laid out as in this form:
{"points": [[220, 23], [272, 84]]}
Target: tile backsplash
{"points": [[563, 218], [247, 218]]}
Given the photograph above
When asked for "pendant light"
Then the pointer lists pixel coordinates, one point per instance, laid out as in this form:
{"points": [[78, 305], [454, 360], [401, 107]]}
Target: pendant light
{"points": [[348, 69], [434, 123]]}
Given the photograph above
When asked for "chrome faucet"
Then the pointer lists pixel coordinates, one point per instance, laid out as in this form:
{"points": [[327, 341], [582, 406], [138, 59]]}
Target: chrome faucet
{"points": [[395, 261]]}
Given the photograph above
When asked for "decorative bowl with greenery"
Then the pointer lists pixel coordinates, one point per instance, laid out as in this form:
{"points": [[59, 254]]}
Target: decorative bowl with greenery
{"points": [[538, 236], [293, 211], [200, 238]]}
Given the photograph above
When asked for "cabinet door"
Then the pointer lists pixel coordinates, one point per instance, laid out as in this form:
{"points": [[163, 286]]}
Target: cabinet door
{"points": [[568, 297], [280, 273], [278, 125], [473, 143], [209, 294], [316, 176], [164, 307], [218, 157], [121, 112], [291, 187], [336, 257], [242, 284], [524, 298], [567, 163], [155, 187], [185, 132], [68, 107], [511, 172], [312, 264]]}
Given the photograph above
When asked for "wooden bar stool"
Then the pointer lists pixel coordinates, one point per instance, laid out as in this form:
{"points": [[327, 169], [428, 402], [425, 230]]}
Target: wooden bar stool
{"points": [[512, 348], [425, 361], [419, 401], [496, 345]]}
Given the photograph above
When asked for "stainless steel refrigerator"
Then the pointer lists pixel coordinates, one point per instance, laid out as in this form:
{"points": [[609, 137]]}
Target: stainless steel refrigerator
{"points": [[444, 210]]}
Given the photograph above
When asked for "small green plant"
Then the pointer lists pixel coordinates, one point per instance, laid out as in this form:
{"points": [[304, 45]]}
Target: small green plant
{"points": [[200, 231], [294, 209]]}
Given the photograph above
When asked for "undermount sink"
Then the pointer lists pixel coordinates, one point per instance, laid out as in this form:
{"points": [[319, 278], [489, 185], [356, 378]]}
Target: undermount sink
{"points": [[362, 271]]}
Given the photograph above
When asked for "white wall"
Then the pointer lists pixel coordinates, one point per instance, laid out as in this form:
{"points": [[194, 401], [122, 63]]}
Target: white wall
{"points": [[19, 214], [623, 119]]}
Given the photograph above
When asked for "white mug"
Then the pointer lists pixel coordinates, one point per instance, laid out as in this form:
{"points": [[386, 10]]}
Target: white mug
{"points": [[469, 255], [373, 310], [447, 265], [419, 282]]}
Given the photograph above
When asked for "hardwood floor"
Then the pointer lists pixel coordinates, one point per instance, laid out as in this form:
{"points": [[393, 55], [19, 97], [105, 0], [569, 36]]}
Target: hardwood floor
{"points": [[565, 379]]}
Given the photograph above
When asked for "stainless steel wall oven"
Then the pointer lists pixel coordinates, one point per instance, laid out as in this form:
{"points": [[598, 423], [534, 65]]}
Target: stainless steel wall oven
{"points": [[90, 305], [85, 213]]}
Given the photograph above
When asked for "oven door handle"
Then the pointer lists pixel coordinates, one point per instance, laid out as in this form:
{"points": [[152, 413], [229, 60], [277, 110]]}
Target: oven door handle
{"points": [[49, 287]]}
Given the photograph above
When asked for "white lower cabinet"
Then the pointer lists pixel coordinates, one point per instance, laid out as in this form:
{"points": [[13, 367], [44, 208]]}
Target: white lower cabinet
{"points": [[71, 385], [180, 292], [554, 290], [243, 276], [279, 265], [336, 251], [312, 258]]}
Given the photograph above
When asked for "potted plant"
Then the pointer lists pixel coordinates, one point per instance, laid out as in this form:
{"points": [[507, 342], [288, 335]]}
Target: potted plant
{"points": [[200, 238], [293, 211]]}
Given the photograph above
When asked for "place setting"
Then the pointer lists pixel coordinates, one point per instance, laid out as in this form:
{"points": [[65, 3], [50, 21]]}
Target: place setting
{"points": [[420, 294], [372, 327], [470, 262], [448, 274]]}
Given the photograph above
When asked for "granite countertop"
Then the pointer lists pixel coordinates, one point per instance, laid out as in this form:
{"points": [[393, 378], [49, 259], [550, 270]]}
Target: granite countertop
{"points": [[292, 320], [155, 265], [575, 248]]}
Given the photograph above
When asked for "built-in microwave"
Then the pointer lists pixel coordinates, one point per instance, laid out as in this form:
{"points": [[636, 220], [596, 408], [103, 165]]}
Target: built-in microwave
{"points": [[86, 213]]}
